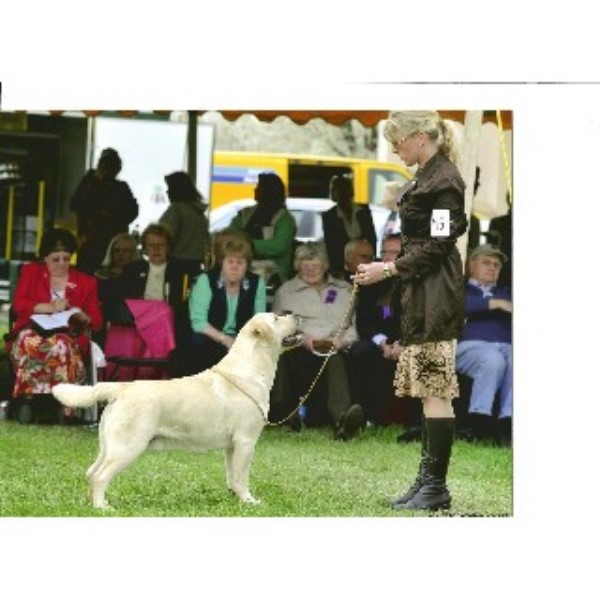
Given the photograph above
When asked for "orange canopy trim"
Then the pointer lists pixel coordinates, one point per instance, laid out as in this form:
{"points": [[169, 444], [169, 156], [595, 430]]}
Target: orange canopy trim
{"points": [[368, 118]]}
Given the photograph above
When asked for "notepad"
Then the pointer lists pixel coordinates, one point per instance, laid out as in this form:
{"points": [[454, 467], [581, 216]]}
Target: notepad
{"points": [[56, 320]]}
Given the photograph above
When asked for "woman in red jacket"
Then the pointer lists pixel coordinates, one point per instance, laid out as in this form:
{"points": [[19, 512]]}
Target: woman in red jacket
{"points": [[44, 357]]}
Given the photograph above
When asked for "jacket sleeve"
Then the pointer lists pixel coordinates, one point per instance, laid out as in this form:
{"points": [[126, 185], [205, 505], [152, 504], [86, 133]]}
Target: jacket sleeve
{"points": [[27, 292], [129, 209], [368, 228], [170, 218], [200, 300], [90, 303], [427, 257]]}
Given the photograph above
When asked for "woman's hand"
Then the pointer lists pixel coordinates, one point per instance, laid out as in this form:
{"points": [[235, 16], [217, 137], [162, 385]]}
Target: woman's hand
{"points": [[369, 273], [227, 341], [500, 304], [392, 351], [79, 322], [59, 304], [307, 342]]}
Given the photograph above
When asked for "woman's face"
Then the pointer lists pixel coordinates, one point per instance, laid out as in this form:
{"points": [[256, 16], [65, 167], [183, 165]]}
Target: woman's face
{"points": [[312, 271], [156, 248], [58, 263], [234, 268], [407, 149], [122, 253]]}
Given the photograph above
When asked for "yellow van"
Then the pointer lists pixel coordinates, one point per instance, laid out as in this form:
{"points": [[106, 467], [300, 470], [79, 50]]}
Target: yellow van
{"points": [[235, 174]]}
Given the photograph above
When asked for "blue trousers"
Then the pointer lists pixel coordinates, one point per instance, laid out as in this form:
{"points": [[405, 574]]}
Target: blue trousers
{"points": [[489, 365]]}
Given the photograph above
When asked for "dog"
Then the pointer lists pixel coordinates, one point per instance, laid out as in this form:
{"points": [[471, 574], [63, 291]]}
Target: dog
{"points": [[224, 407]]}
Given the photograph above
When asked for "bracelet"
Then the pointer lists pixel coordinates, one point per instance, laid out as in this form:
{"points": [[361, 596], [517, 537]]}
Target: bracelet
{"points": [[387, 270]]}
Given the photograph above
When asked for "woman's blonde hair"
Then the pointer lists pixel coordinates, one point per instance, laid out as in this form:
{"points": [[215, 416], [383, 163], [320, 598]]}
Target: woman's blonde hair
{"points": [[109, 258], [403, 123]]}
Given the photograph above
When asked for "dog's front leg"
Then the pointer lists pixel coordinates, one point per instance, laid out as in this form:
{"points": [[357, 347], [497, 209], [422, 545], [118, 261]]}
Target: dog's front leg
{"points": [[241, 458], [229, 469]]}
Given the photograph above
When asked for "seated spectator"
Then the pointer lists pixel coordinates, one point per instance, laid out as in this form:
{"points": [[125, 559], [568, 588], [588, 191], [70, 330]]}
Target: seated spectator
{"points": [[222, 301], [323, 303], [271, 227], [356, 252], [484, 351], [373, 354], [344, 222], [43, 357], [187, 221], [154, 331], [156, 277], [121, 251]]}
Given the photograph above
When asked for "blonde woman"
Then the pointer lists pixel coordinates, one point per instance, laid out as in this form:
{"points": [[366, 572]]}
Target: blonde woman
{"points": [[430, 271]]}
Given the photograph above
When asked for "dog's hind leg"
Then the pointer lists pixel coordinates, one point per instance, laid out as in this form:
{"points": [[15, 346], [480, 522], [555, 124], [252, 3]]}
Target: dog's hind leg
{"points": [[114, 461], [101, 453], [241, 458]]}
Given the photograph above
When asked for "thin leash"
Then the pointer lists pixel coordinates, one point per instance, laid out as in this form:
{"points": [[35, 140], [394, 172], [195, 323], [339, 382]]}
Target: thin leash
{"points": [[304, 398], [343, 325]]}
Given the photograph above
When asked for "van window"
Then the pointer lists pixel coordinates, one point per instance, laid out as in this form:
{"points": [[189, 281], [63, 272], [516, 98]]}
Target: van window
{"points": [[312, 181], [377, 179]]}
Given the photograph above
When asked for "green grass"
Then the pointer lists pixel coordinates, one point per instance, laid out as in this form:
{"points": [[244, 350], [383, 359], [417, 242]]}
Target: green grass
{"points": [[308, 474]]}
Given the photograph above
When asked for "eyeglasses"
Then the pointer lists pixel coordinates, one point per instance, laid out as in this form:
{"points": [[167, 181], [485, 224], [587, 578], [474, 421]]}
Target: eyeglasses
{"points": [[63, 258]]}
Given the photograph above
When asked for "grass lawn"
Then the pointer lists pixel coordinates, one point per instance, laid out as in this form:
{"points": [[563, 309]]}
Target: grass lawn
{"points": [[306, 474]]}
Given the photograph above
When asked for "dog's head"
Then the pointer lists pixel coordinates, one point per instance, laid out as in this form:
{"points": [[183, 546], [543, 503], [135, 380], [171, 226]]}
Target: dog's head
{"points": [[282, 330]]}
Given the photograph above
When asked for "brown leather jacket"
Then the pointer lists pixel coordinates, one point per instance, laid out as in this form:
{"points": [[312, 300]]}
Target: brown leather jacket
{"points": [[430, 267]]}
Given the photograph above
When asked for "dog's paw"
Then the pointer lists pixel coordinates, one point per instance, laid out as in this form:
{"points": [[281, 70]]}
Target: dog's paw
{"points": [[248, 498]]}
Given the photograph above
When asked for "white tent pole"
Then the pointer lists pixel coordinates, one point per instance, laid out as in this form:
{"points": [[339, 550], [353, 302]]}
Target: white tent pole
{"points": [[467, 165]]}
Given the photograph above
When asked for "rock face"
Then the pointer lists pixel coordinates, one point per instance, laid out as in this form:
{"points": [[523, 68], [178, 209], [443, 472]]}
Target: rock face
{"points": [[248, 134]]}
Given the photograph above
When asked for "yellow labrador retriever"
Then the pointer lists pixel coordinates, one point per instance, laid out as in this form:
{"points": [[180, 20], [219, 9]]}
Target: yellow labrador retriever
{"points": [[224, 407]]}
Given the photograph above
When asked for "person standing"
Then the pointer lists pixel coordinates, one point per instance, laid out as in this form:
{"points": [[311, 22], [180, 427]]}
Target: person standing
{"points": [[188, 223], [104, 207], [431, 308], [271, 228], [344, 222]]}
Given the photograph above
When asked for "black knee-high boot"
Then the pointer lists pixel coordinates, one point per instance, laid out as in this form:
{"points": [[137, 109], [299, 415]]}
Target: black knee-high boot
{"points": [[433, 493], [401, 498]]}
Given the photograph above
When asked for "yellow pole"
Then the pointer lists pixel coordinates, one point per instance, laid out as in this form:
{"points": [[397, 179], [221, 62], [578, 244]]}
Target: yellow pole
{"points": [[9, 222], [40, 213]]}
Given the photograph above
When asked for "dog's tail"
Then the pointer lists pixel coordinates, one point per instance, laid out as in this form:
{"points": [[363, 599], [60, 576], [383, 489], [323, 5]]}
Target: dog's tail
{"points": [[82, 396]]}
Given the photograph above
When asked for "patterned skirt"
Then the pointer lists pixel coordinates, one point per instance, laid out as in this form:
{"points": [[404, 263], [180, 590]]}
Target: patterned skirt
{"points": [[42, 362], [427, 371]]}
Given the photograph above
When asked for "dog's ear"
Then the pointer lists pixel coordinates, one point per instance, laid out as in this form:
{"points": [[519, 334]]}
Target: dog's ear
{"points": [[261, 330]]}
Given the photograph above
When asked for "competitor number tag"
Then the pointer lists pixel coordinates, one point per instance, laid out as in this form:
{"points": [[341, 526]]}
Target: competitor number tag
{"points": [[440, 222]]}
